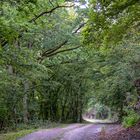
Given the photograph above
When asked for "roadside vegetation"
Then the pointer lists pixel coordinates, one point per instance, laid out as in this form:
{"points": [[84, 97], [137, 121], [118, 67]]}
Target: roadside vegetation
{"points": [[24, 129], [16, 135]]}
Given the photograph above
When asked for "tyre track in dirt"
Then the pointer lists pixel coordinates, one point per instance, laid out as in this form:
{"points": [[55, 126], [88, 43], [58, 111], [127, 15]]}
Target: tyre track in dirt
{"points": [[50, 134], [73, 132]]}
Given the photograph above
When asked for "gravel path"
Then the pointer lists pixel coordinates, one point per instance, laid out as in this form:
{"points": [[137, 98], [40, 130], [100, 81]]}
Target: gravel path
{"points": [[51, 134], [83, 133], [72, 132], [89, 132]]}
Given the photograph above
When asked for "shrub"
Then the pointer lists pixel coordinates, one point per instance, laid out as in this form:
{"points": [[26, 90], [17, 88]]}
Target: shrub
{"points": [[131, 119]]}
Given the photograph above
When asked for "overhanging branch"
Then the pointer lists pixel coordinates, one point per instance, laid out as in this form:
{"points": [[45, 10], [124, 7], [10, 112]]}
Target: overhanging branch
{"points": [[50, 11], [52, 52], [3, 42], [80, 26], [47, 52], [66, 50]]}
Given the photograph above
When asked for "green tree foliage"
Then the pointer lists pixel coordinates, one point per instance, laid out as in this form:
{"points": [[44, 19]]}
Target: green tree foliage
{"points": [[49, 70], [112, 32], [42, 68], [110, 21]]}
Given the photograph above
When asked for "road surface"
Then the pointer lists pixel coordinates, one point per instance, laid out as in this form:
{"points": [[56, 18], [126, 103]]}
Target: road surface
{"points": [[74, 132]]}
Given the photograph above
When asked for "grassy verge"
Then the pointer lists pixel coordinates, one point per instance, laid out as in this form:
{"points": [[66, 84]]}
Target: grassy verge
{"points": [[15, 135], [28, 129]]}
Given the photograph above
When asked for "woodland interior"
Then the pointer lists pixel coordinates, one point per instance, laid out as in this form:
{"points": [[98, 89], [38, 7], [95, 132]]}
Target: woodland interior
{"points": [[63, 61]]}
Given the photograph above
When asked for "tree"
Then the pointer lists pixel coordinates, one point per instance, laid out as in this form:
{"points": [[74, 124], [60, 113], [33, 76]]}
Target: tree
{"points": [[110, 22], [35, 52], [112, 33]]}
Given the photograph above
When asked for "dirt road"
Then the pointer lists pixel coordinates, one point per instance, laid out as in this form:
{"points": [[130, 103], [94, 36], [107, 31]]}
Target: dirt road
{"points": [[73, 132]]}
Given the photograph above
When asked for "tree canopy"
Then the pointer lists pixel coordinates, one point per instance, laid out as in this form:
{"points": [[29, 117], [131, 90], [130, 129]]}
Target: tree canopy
{"points": [[57, 57]]}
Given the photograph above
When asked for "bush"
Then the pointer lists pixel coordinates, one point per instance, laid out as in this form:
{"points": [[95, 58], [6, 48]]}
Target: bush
{"points": [[3, 116], [131, 119], [35, 124]]}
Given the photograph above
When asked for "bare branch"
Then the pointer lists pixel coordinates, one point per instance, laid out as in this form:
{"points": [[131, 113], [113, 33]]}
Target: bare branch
{"points": [[50, 51], [51, 3], [45, 55], [49, 12], [4, 42], [70, 49], [80, 26]]}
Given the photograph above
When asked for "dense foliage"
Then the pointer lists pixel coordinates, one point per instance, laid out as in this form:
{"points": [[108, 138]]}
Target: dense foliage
{"points": [[40, 77], [57, 57], [112, 33]]}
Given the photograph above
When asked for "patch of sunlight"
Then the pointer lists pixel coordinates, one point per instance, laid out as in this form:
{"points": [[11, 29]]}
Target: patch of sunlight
{"points": [[97, 121]]}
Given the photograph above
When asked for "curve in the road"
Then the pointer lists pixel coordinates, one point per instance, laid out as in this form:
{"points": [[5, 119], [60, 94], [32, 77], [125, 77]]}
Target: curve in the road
{"points": [[72, 132]]}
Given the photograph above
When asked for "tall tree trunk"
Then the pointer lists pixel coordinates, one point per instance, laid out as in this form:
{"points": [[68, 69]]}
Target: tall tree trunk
{"points": [[10, 69], [25, 104], [63, 106]]}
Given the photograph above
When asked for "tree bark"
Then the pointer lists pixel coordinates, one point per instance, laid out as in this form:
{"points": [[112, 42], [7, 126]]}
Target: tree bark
{"points": [[10, 69], [25, 104]]}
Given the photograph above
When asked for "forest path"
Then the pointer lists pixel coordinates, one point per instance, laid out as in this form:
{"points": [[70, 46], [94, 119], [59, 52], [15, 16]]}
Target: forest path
{"points": [[96, 121], [72, 132]]}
